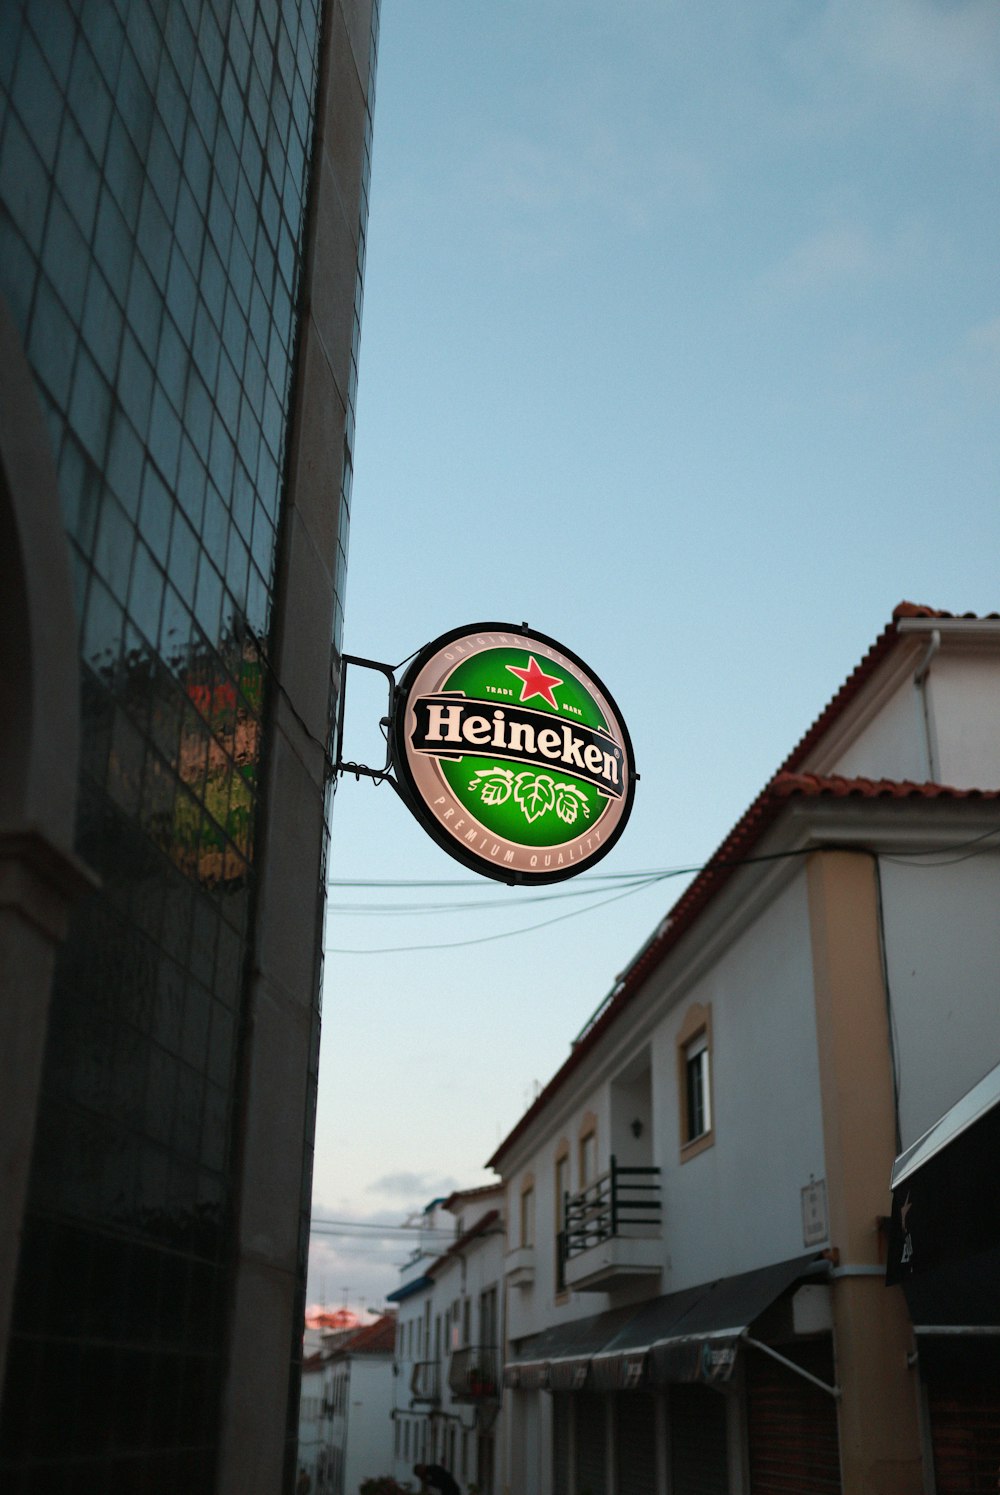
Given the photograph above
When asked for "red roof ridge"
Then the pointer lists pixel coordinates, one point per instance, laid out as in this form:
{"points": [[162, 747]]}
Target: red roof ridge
{"points": [[918, 610], [378, 1338], [784, 785], [478, 1193]]}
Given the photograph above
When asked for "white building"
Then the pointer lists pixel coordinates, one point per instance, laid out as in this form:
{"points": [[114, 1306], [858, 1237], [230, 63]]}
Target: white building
{"points": [[313, 1424], [698, 1198], [358, 1396], [449, 1339]]}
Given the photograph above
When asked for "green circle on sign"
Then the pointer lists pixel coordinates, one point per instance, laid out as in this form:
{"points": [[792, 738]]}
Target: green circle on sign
{"points": [[531, 806]]}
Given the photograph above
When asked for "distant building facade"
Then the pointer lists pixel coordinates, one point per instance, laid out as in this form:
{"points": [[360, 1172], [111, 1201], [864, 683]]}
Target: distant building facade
{"points": [[314, 1427], [183, 204], [699, 1200], [449, 1336], [358, 1397]]}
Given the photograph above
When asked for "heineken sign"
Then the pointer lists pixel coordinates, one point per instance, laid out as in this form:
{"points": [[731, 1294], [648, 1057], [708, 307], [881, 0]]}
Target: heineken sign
{"points": [[512, 754]]}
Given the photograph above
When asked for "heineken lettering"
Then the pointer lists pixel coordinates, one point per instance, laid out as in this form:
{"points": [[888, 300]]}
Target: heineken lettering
{"points": [[512, 754], [524, 736]]}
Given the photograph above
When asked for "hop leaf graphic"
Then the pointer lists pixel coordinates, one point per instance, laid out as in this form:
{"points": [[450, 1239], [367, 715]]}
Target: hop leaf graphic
{"points": [[535, 793], [569, 802], [494, 784]]}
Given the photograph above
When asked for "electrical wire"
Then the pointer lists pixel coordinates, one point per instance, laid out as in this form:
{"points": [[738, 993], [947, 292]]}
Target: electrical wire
{"points": [[498, 905], [486, 939], [639, 881], [473, 882], [942, 853], [375, 1225]]}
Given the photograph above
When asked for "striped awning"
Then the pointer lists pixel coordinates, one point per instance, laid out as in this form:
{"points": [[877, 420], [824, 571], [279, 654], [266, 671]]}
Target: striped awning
{"points": [[685, 1336]]}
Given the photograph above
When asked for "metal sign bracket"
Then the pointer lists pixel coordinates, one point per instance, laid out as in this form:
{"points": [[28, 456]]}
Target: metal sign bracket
{"points": [[361, 770]]}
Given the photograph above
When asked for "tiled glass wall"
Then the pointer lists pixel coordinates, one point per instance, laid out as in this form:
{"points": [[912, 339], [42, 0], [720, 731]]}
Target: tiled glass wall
{"points": [[153, 168]]}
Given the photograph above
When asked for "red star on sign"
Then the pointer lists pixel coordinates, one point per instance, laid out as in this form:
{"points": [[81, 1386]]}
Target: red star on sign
{"points": [[536, 682]]}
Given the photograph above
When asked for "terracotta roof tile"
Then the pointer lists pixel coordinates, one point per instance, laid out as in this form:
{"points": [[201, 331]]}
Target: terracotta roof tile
{"points": [[816, 786], [378, 1338]]}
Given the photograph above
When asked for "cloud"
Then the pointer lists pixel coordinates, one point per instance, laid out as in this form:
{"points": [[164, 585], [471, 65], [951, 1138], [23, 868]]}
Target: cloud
{"points": [[354, 1273], [837, 253], [972, 373], [940, 51], [421, 1187], [984, 339], [845, 255]]}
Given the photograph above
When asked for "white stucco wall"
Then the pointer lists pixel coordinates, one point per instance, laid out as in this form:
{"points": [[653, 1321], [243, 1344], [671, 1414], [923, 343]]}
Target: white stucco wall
{"points": [[737, 1205], [457, 1277], [409, 1349], [369, 1424], [942, 934], [963, 696], [893, 746]]}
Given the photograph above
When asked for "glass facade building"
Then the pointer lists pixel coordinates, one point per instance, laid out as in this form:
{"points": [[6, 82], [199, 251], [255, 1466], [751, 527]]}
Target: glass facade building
{"points": [[163, 234]]}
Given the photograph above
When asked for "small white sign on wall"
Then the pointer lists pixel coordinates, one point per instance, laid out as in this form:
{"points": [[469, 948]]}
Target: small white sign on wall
{"points": [[815, 1221]]}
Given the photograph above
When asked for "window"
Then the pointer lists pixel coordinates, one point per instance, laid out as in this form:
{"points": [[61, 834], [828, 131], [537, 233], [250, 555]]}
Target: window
{"points": [[588, 1150], [699, 1110], [694, 1081], [527, 1237], [488, 1317], [561, 1189]]}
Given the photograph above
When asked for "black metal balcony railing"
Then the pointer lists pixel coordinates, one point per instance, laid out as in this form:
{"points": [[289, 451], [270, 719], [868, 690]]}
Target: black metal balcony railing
{"points": [[425, 1381], [615, 1204], [473, 1375]]}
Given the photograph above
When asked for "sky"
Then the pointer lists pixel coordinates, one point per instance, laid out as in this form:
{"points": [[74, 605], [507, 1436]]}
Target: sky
{"points": [[681, 343]]}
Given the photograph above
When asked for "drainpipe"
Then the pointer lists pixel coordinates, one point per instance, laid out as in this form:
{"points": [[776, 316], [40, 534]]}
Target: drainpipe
{"points": [[923, 703]]}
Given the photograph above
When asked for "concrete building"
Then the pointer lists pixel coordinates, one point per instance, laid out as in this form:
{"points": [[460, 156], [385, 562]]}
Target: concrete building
{"points": [[358, 1395], [448, 1343], [699, 1199], [183, 200]]}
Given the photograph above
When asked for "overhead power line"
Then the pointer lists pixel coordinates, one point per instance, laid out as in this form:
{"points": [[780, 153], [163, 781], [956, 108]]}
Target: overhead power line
{"points": [[635, 882]]}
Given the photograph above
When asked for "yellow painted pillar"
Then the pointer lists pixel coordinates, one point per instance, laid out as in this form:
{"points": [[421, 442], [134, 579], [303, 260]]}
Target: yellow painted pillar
{"points": [[880, 1445]]}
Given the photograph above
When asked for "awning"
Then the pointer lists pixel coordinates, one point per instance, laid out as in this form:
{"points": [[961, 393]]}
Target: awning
{"points": [[703, 1345], [623, 1363], [408, 1289], [559, 1358], [685, 1336], [944, 1235]]}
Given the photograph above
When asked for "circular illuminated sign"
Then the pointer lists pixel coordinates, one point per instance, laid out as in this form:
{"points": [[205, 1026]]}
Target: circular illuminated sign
{"points": [[512, 754]]}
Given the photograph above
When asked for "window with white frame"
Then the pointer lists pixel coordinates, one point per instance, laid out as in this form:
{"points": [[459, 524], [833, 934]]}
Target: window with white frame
{"points": [[694, 1081], [698, 1091]]}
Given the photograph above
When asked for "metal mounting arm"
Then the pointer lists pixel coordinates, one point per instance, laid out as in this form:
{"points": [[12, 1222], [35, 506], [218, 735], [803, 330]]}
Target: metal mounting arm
{"points": [[359, 769]]}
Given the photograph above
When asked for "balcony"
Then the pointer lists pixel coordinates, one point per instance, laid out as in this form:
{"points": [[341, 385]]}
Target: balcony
{"points": [[613, 1230], [519, 1266], [425, 1381], [473, 1375]]}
